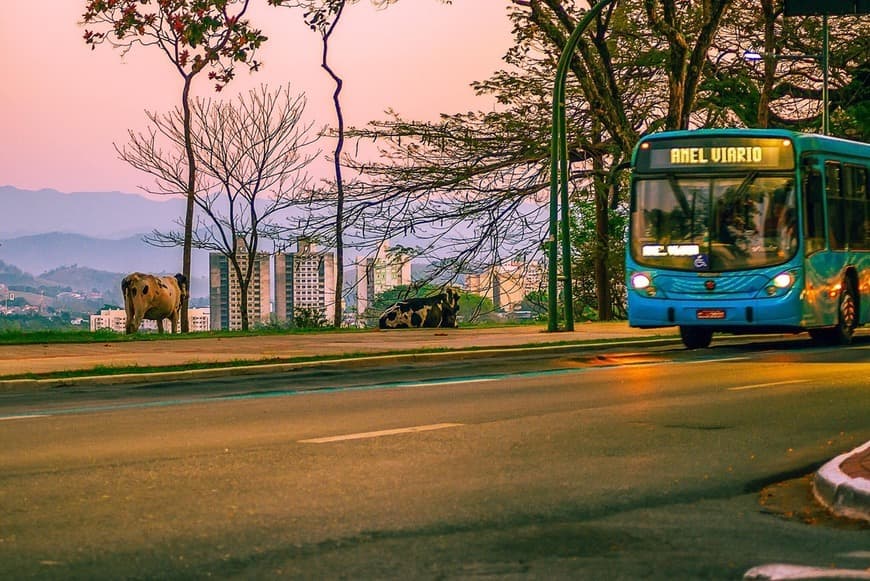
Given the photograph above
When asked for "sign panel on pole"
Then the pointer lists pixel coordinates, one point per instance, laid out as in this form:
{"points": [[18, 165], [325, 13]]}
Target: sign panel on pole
{"points": [[829, 7]]}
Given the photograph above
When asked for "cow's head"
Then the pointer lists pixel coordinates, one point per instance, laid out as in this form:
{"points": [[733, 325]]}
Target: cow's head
{"points": [[451, 298], [137, 289], [182, 284]]}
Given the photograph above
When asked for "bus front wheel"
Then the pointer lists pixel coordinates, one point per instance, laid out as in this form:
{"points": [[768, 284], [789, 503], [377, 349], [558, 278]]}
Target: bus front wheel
{"points": [[696, 337], [847, 320]]}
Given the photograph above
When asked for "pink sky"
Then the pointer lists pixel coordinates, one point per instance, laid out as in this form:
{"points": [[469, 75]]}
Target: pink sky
{"points": [[63, 106]]}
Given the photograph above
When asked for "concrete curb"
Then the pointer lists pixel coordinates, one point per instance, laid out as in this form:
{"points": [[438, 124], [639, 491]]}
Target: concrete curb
{"points": [[841, 494], [783, 572]]}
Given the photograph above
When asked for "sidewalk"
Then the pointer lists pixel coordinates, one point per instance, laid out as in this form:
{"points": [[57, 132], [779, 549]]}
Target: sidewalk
{"points": [[843, 484]]}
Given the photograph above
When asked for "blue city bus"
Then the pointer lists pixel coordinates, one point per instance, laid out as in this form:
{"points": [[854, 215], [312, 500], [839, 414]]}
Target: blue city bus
{"points": [[749, 231]]}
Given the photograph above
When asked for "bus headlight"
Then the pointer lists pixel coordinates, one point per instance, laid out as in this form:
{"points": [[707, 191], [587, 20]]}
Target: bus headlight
{"points": [[643, 283], [780, 284], [640, 281], [783, 280]]}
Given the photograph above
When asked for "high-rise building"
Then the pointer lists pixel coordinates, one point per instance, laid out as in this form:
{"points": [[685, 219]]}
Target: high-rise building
{"points": [[507, 284], [225, 297], [305, 279], [377, 274]]}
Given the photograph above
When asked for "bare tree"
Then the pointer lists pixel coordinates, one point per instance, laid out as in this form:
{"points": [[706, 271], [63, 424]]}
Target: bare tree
{"points": [[195, 35], [251, 153], [323, 16], [324, 19]]}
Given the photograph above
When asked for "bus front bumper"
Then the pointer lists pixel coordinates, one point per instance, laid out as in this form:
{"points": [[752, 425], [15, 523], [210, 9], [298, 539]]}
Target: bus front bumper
{"points": [[732, 315]]}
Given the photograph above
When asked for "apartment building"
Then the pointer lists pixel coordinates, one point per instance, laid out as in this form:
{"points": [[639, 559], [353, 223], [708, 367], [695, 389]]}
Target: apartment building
{"points": [[508, 284], [377, 274], [225, 296], [305, 279], [116, 320]]}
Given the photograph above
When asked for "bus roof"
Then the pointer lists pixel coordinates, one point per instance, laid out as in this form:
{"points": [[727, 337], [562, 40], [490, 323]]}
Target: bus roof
{"points": [[804, 142]]}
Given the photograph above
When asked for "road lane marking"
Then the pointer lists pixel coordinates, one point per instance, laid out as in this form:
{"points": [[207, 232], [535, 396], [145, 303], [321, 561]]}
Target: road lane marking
{"points": [[22, 417], [712, 360], [762, 385], [378, 434], [445, 382]]}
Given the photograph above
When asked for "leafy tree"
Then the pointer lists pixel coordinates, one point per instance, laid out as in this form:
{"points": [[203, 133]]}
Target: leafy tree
{"points": [[784, 88], [536, 302], [251, 155], [196, 36], [468, 188], [18, 301], [474, 307], [309, 318]]}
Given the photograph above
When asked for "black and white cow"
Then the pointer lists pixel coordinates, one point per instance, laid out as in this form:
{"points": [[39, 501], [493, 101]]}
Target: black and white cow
{"points": [[435, 311]]}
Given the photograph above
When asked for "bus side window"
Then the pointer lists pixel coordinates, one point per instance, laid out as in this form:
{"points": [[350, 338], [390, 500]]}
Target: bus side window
{"points": [[856, 209], [836, 215], [814, 214]]}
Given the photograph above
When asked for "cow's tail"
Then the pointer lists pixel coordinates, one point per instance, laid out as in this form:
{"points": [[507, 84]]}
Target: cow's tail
{"points": [[128, 303]]}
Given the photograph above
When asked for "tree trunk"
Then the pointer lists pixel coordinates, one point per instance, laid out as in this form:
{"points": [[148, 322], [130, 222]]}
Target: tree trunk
{"points": [[191, 193], [769, 65], [339, 184], [602, 240]]}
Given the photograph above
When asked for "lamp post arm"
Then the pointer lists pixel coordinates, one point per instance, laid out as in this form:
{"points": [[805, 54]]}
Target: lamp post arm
{"points": [[559, 180]]}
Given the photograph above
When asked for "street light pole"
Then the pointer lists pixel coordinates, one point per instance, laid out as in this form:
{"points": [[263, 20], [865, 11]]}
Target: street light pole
{"points": [[753, 56], [826, 112], [559, 182]]}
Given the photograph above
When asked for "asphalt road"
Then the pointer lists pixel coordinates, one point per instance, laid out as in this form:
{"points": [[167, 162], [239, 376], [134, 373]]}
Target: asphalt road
{"points": [[659, 463]]}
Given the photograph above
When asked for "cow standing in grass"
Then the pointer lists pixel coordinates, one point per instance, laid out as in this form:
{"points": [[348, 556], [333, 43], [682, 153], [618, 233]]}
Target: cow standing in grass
{"points": [[435, 311], [147, 296]]}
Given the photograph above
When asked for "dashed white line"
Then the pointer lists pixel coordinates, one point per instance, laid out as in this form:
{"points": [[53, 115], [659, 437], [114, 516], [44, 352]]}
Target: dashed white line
{"points": [[448, 382], [772, 384], [716, 360], [30, 417], [378, 434]]}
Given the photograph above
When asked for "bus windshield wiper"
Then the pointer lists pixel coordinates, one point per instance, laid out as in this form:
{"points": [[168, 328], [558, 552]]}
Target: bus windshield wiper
{"points": [[745, 184], [679, 194]]}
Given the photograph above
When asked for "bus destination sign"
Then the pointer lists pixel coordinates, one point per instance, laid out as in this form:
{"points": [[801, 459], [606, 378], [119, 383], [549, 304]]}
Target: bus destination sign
{"points": [[715, 154]]}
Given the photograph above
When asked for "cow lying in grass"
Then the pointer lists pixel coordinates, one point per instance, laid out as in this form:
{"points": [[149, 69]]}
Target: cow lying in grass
{"points": [[435, 311], [147, 296]]}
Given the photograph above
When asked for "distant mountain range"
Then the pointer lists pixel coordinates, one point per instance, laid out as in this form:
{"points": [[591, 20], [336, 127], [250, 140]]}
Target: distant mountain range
{"points": [[94, 214], [84, 264], [89, 241]]}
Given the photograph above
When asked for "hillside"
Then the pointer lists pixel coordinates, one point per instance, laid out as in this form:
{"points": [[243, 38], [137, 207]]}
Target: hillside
{"points": [[39, 253], [97, 214], [64, 280]]}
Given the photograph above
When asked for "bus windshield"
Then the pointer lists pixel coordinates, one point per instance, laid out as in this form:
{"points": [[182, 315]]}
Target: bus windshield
{"points": [[714, 223]]}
